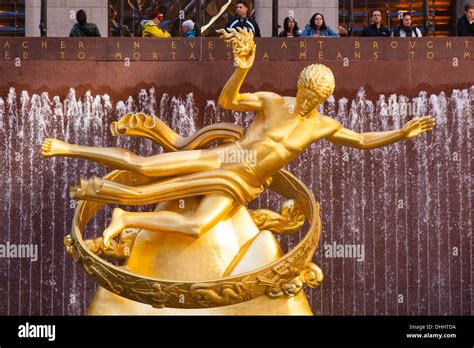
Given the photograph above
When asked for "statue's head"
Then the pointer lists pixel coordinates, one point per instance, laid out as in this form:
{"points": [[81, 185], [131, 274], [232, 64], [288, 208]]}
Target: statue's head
{"points": [[315, 84]]}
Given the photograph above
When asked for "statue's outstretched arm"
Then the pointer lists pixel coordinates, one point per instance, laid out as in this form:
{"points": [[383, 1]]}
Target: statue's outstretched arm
{"points": [[371, 140], [244, 50]]}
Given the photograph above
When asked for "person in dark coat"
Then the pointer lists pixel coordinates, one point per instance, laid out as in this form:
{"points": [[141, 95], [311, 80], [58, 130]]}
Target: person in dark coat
{"points": [[376, 29], [290, 28], [82, 28], [466, 22], [242, 21]]}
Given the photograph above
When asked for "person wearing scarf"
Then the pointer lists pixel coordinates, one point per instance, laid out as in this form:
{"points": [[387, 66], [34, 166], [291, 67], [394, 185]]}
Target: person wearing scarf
{"points": [[406, 29]]}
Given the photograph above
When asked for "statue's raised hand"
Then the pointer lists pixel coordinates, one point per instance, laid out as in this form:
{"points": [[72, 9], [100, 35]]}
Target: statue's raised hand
{"points": [[243, 46], [418, 125]]}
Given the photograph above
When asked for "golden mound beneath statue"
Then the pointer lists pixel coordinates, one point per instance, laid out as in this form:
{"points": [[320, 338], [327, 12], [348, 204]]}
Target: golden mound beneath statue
{"points": [[217, 253]]}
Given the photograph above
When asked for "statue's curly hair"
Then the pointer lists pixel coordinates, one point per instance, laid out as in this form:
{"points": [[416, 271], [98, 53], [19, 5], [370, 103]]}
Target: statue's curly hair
{"points": [[319, 79]]}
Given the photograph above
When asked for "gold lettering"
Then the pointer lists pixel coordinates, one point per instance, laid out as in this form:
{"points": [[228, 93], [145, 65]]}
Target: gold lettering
{"points": [[118, 44], [467, 55], [303, 55], [25, 44], [62, 53], [136, 45], [229, 55], [25, 55], [430, 55], [376, 45], [283, 45], [448, 44], [339, 55], [136, 55], [174, 55], [44, 44], [321, 55], [321, 44], [155, 56], [192, 43], [376, 55], [412, 44], [7, 55], [394, 44], [429, 44], [118, 56], [63, 44], [81, 55], [210, 56], [302, 45], [412, 55], [173, 45], [81, 44], [357, 44], [7, 45], [467, 43], [265, 56], [357, 55], [210, 45], [192, 57]]}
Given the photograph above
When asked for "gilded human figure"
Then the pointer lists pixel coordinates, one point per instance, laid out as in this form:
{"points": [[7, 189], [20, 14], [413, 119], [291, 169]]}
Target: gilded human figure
{"points": [[282, 129]]}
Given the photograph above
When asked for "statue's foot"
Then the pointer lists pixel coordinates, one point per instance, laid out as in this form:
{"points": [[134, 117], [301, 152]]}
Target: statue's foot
{"points": [[53, 147], [116, 226]]}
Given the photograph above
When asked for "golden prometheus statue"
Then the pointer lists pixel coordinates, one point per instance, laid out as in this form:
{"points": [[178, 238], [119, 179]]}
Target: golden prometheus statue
{"points": [[201, 251]]}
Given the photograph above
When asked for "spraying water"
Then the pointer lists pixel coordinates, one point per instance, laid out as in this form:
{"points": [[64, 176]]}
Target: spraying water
{"points": [[409, 205]]}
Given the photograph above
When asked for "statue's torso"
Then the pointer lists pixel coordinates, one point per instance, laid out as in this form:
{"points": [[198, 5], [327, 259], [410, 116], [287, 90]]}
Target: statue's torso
{"points": [[278, 136]]}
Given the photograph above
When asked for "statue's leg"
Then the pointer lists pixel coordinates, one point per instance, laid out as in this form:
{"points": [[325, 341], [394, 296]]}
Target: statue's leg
{"points": [[165, 164], [212, 209]]}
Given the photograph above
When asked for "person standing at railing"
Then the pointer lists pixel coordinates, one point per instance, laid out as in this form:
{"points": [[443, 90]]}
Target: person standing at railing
{"points": [[290, 28], [241, 20], [188, 29], [466, 22], [82, 28], [152, 27], [317, 27], [406, 29], [376, 29]]}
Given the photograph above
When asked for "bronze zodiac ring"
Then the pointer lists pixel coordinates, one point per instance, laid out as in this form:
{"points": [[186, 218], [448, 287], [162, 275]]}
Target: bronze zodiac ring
{"points": [[283, 277]]}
